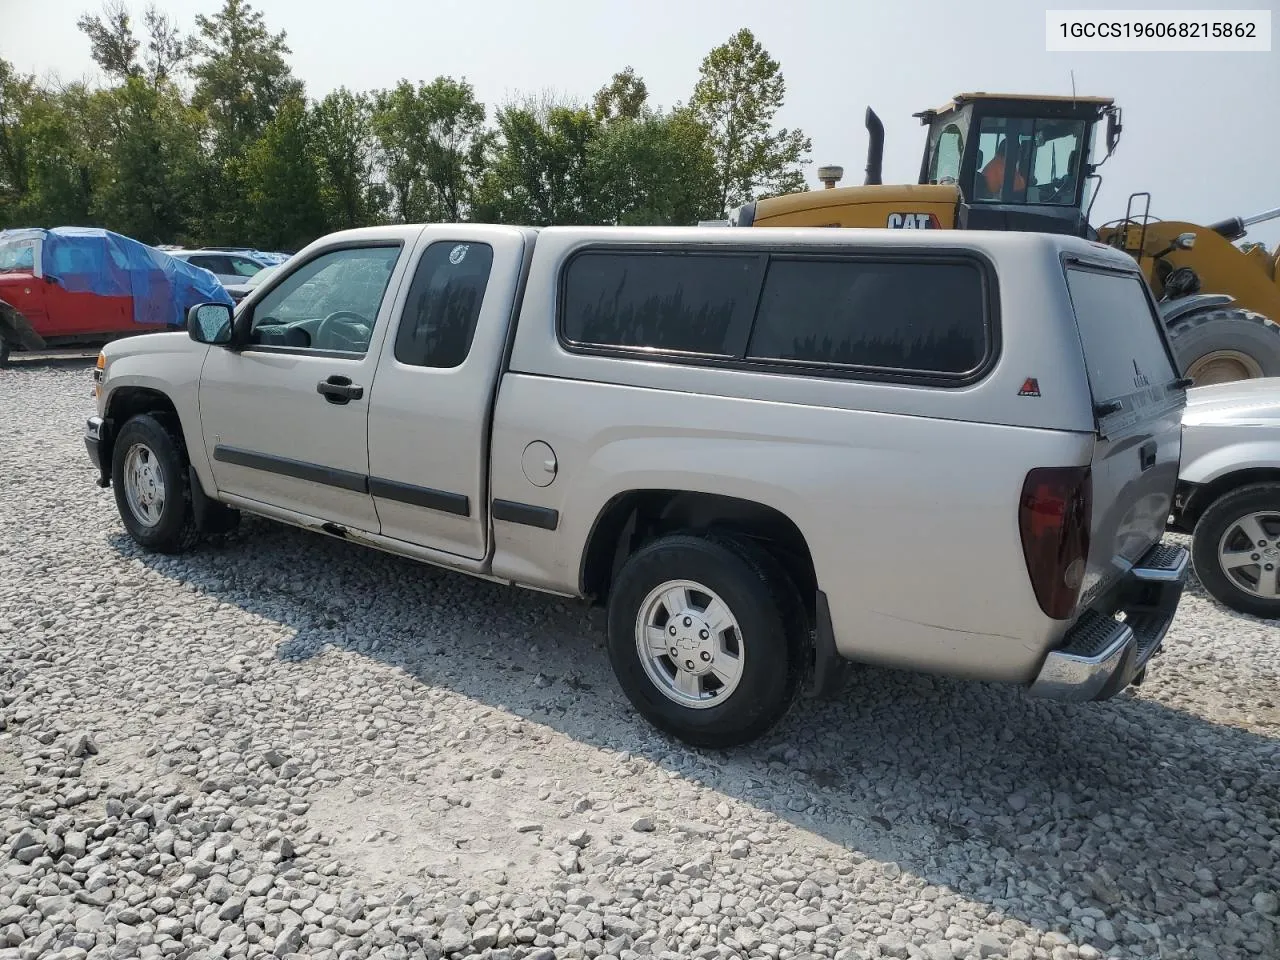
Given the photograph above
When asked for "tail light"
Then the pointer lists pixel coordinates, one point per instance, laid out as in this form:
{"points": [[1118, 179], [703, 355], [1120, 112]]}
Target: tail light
{"points": [[1054, 519]]}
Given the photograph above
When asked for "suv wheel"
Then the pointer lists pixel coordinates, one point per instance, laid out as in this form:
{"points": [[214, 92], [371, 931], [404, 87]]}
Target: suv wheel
{"points": [[705, 637], [1236, 549], [149, 474]]}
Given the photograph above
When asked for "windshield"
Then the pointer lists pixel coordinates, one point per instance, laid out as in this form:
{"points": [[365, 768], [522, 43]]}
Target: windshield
{"points": [[1046, 160]]}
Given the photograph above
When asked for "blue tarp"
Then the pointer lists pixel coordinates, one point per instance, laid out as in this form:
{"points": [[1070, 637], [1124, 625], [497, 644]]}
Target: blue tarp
{"points": [[92, 260]]}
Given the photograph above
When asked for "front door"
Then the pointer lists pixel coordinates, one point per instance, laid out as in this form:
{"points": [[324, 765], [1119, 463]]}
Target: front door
{"points": [[433, 396], [285, 418]]}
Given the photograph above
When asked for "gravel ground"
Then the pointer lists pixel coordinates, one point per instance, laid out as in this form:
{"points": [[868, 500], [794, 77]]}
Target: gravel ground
{"points": [[286, 745]]}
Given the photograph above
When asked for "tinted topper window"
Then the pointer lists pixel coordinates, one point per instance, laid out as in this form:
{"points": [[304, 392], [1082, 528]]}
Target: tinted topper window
{"points": [[1120, 333], [682, 302], [444, 302], [920, 316]]}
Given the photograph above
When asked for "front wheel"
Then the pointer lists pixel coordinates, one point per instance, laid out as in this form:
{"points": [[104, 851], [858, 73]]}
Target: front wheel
{"points": [[705, 637], [149, 474], [1236, 550]]}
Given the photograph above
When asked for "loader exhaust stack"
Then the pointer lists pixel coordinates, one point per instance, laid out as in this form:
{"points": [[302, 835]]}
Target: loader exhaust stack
{"points": [[875, 147]]}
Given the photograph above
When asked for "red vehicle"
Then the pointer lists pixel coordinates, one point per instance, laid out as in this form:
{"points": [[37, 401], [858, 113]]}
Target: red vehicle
{"points": [[81, 285]]}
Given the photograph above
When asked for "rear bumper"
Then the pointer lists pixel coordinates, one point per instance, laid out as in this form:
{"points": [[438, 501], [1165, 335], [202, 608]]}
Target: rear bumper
{"points": [[1103, 653], [96, 442]]}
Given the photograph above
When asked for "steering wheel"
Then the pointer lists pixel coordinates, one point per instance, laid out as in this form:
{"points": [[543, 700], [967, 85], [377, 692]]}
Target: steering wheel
{"points": [[347, 318]]}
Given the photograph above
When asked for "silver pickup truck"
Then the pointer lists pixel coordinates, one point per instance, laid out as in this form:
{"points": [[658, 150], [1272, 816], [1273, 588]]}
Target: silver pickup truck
{"points": [[769, 453]]}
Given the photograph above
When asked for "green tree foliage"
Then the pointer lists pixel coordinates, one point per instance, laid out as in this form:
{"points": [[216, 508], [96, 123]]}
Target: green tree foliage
{"points": [[343, 149], [739, 91], [285, 209], [653, 169], [17, 92], [539, 170], [241, 74], [208, 138], [151, 150], [433, 141], [111, 41]]}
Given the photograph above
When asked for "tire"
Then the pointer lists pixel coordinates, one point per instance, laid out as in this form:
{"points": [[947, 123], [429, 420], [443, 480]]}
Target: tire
{"points": [[4, 353], [1223, 518], [1240, 338], [768, 636], [167, 526]]}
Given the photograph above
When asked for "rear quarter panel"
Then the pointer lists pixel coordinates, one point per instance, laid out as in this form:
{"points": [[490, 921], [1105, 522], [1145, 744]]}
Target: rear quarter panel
{"points": [[907, 496]]}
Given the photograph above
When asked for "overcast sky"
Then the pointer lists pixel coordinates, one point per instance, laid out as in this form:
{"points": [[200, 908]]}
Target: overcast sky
{"points": [[1202, 131]]}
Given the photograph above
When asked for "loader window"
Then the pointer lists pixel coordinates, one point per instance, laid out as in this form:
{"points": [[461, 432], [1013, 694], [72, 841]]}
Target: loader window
{"points": [[1046, 157], [945, 166]]}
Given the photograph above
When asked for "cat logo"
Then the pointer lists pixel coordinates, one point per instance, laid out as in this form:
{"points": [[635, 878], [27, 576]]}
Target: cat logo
{"points": [[1030, 388], [912, 221]]}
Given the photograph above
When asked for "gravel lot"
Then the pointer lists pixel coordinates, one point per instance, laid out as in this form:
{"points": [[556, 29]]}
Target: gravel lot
{"points": [[285, 745]]}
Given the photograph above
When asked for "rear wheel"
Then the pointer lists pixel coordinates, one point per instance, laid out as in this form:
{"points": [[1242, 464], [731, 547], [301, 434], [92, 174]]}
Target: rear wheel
{"points": [[705, 637], [1236, 549], [1230, 343]]}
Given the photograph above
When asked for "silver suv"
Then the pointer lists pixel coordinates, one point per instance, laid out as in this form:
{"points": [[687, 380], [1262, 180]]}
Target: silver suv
{"points": [[1228, 494], [769, 453]]}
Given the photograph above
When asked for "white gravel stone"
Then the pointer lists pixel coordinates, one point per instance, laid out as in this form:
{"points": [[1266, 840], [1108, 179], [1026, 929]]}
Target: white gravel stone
{"points": [[308, 749]]}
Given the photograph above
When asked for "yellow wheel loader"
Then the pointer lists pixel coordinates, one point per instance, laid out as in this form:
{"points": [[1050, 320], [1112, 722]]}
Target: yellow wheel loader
{"points": [[1018, 162]]}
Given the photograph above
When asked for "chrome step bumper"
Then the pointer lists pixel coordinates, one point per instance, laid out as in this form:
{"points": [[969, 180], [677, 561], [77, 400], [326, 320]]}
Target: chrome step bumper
{"points": [[1104, 653]]}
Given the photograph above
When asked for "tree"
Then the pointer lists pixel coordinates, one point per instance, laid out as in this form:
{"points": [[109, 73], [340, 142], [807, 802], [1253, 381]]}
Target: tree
{"points": [[739, 90], [242, 76], [433, 144], [111, 41], [539, 169], [284, 209], [16, 95], [343, 148], [151, 150], [623, 98], [654, 169], [167, 52], [61, 159]]}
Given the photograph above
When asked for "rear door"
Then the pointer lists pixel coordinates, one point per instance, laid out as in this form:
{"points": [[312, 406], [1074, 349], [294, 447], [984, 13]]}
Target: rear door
{"points": [[1138, 403], [433, 393]]}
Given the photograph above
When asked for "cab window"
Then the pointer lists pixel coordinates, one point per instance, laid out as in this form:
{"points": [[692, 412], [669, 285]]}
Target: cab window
{"points": [[328, 304], [945, 167], [1024, 160]]}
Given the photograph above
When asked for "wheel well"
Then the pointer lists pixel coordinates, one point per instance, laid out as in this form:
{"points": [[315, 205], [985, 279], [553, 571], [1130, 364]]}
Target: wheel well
{"points": [[1201, 497], [128, 402], [632, 519]]}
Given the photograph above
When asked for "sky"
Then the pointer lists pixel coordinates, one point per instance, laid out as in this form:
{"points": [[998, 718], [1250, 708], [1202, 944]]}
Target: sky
{"points": [[1201, 130]]}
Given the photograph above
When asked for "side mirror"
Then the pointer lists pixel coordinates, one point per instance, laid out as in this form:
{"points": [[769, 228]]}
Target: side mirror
{"points": [[210, 323], [1114, 126], [1185, 241]]}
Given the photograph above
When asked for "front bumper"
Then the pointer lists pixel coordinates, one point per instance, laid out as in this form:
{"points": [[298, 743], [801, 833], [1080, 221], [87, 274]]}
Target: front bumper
{"points": [[1102, 654], [97, 442]]}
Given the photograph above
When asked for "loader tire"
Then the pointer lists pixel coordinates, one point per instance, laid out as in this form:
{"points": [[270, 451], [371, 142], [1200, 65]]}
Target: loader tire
{"points": [[1230, 343]]}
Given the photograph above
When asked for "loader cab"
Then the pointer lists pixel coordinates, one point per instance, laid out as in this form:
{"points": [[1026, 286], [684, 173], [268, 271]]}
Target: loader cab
{"points": [[1021, 163]]}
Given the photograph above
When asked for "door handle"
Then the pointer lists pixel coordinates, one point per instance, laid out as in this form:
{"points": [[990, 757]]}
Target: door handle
{"points": [[1147, 455], [340, 390]]}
